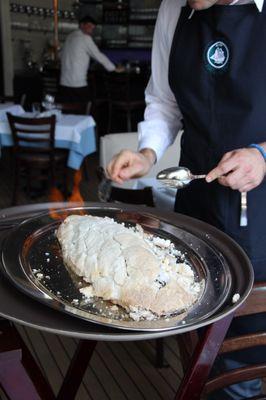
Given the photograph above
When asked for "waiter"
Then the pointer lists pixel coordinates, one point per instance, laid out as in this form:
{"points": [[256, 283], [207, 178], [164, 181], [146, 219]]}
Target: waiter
{"points": [[209, 78], [77, 52]]}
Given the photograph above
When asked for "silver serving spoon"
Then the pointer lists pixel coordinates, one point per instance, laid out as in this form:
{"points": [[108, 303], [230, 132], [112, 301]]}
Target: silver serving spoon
{"points": [[177, 177]]}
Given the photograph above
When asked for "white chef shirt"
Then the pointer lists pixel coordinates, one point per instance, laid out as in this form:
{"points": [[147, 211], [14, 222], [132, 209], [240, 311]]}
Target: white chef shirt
{"points": [[162, 117], [77, 51]]}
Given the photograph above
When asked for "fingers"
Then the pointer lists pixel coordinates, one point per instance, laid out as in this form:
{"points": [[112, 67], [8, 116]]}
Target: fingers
{"points": [[226, 165], [116, 165], [126, 165], [246, 188], [240, 169], [130, 171]]}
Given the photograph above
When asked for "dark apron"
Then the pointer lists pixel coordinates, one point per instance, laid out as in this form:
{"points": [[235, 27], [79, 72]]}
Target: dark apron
{"points": [[217, 72]]}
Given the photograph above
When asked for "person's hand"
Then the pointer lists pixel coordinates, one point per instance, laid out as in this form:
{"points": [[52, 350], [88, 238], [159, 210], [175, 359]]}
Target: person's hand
{"points": [[241, 169], [120, 68], [129, 164]]}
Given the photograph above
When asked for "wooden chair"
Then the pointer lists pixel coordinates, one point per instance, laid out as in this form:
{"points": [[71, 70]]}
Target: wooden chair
{"points": [[34, 151], [20, 375], [75, 108], [50, 83], [123, 99], [256, 303]]}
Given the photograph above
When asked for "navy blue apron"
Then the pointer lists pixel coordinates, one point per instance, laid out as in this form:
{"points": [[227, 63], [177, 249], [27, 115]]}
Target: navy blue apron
{"points": [[217, 72]]}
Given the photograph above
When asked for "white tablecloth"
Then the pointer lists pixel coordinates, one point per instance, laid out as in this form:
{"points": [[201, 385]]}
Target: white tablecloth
{"points": [[14, 109]]}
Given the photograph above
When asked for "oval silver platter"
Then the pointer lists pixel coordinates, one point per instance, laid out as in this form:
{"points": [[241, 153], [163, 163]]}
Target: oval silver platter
{"points": [[32, 260]]}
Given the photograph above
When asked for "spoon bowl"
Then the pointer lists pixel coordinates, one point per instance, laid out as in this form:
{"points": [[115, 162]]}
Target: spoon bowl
{"points": [[177, 177]]}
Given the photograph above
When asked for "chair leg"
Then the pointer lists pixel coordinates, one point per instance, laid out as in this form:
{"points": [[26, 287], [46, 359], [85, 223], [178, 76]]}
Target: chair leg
{"points": [[76, 370], [20, 376], [160, 362], [15, 185], [110, 116], [86, 168], [202, 360], [28, 177], [129, 125]]}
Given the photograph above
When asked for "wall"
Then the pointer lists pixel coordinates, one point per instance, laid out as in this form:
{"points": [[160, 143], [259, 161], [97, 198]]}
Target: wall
{"points": [[31, 34], [6, 46], [26, 38]]}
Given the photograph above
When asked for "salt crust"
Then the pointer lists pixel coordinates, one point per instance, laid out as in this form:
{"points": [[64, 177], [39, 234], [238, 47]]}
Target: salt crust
{"points": [[127, 266]]}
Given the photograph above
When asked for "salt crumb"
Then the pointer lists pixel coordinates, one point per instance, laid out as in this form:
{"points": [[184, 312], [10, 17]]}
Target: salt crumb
{"points": [[235, 298], [35, 270]]}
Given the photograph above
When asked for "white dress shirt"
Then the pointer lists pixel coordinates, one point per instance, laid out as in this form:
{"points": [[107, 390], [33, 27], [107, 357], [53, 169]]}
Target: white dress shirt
{"points": [[162, 117], [77, 51]]}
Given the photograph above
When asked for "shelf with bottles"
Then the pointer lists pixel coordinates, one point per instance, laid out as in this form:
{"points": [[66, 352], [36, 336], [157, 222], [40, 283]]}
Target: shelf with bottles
{"points": [[143, 16], [115, 12], [43, 12]]}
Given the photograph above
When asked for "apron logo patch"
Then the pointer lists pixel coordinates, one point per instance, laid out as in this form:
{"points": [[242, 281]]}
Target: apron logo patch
{"points": [[217, 56]]}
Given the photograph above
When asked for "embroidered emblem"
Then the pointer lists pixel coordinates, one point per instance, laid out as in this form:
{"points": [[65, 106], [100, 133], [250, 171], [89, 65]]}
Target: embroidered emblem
{"points": [[217, 56]]}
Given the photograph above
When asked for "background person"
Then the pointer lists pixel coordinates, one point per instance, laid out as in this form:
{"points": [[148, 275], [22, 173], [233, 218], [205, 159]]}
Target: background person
{"points": [[209, 79], [77, 52]]}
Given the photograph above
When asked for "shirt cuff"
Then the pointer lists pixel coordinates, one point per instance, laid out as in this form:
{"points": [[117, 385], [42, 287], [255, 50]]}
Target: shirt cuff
{"points": [[155, 135]]}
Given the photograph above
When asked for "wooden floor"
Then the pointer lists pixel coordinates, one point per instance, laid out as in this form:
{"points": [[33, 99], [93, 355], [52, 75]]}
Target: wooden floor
{"points": [[117, 371]]}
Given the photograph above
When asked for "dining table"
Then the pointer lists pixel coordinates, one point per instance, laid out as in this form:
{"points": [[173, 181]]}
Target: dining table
{"points": [[73, 132], [17, 307], [15, 109]]}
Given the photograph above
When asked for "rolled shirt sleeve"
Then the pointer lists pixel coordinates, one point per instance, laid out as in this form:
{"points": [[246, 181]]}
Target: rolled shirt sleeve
{"points": [[162, 117]]}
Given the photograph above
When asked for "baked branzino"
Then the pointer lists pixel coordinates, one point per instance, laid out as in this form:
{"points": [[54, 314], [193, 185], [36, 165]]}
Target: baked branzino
{"points": [[127, 266]]}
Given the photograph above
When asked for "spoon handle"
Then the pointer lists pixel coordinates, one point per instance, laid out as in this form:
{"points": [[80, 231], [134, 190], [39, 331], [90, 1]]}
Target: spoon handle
{"points": [[243, 211], [198, 176]]}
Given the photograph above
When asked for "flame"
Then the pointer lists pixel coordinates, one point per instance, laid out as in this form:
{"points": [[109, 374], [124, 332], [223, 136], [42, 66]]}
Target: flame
{"points": [[75, 197]]}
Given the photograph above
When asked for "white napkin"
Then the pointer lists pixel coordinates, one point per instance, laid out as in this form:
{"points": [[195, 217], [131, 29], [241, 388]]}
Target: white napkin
{"points": [[49, 113]]}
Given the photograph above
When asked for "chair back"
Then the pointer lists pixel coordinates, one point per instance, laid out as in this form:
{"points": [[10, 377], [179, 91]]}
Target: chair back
{"points": [[256, 303], [82, 108], [97, 86], [118, 87], [50, 84], [32, 135], [125, 87]]}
